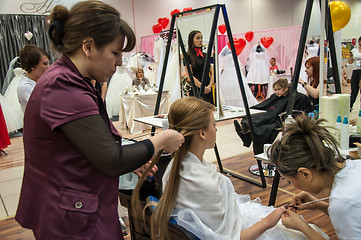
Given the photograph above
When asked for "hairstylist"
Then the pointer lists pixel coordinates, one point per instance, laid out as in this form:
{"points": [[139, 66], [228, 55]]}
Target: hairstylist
{"points": [[73, 153]]}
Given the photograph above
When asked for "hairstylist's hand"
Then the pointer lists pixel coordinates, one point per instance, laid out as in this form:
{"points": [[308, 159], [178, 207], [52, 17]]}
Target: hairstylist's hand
{"points": [[300, 198], [142, 169], [207, 89], [292, 220], [168, 140], [272, 219]]}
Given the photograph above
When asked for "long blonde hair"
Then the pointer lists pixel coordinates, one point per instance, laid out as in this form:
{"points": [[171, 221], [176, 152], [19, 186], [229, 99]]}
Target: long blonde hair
{"points": [[187, 116]]}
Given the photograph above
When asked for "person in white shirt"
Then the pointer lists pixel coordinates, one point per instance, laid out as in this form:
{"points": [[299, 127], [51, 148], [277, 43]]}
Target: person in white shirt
{"points": [[35, 61], [201, 199], [356, 73], [308, 157]]}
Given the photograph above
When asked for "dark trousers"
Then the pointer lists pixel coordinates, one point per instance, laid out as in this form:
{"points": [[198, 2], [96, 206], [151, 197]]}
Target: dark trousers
{"points": [[355, 80]]}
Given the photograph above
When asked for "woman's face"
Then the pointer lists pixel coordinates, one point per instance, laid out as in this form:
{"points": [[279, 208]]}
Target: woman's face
{"points": [[280, 91], [198, 40], [42, 66], [272, 62], [309, 70], [210, 132], [140, 74], [300, 183], [104, 61]]}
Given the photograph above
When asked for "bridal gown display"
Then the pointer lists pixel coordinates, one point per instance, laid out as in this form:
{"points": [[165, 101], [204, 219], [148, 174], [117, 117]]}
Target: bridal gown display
{"points": [[228, 81], [258, 66], [119, 83], [172, 77], [11, 95], [13, 122]]}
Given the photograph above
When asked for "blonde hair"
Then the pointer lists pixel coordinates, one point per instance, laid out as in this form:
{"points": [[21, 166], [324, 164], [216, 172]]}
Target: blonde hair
{"points": [[187, 116], [305, 143]]}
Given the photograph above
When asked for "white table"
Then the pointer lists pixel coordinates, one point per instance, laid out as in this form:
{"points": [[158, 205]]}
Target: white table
{"points": [[229, 113], [139, 105]]}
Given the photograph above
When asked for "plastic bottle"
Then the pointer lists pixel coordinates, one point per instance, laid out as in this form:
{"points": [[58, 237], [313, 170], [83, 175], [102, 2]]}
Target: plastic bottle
{"points": [[345, 134], [359, 122], [289, 120], [338, 125]]}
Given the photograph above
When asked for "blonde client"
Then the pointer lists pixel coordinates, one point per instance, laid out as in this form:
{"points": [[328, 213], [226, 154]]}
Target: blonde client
{"points": [[201, 199], [308, 157]]}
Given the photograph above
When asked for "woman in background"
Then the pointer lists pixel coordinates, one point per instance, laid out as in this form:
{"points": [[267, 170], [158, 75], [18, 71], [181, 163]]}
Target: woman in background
{"points": [[356, 73], [312, 84], [35, 61], [197, 60], [139, 79]]}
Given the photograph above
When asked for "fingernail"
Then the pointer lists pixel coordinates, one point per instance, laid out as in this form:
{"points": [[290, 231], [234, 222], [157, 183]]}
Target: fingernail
{"points": [[286, 207]]}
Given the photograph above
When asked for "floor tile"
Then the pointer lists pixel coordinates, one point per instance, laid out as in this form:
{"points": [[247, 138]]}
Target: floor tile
{"points": [[2, 210], [11, 203], [11, 187], [11, 173]]}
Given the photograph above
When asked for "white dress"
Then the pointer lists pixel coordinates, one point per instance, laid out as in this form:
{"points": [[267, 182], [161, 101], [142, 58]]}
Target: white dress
{"points": [[208, 206], [11, 94], [13, 122], [228, 81], [258, 66], [172, 77], [119, 83], [345, 204]]}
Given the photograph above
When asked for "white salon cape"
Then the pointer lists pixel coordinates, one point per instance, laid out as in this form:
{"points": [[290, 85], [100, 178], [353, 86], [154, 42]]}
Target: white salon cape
{"points": [[208, 206]]}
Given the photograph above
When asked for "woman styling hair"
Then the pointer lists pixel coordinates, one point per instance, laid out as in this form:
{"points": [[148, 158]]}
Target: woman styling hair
{"points": [[73, 153]]}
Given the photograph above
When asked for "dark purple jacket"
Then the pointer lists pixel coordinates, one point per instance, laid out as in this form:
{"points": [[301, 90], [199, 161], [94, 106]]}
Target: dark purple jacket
{"points": [[63, 196]]}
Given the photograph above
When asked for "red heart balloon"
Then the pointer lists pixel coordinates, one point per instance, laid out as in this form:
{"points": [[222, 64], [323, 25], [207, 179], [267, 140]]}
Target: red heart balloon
{"points": [[266, 41], [174, 12], [249, 36], [222, 28], [157, 28], [187, 9], [163, 22], [239, 45]]}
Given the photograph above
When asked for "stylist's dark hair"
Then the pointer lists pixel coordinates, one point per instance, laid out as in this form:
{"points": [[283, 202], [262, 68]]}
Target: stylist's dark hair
{"points": [[30, 56], [191, 51], [88, 19], [305, 143]]}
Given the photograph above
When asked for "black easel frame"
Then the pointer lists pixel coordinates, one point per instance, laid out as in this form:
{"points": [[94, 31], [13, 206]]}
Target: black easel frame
{"points": [[302, 42], [256, 144]]}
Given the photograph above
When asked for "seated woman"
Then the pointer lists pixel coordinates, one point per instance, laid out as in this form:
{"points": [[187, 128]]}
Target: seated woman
{"points": [[311, 85], [267, 124], [308, 157], [201, 199], [139, 79]]}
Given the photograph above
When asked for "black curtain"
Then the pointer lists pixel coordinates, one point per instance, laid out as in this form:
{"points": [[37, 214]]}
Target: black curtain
{"points": [[12, 39]]}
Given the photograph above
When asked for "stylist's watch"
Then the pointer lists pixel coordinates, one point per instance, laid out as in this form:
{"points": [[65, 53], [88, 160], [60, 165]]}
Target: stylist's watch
{"points": [[304, 84]]}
